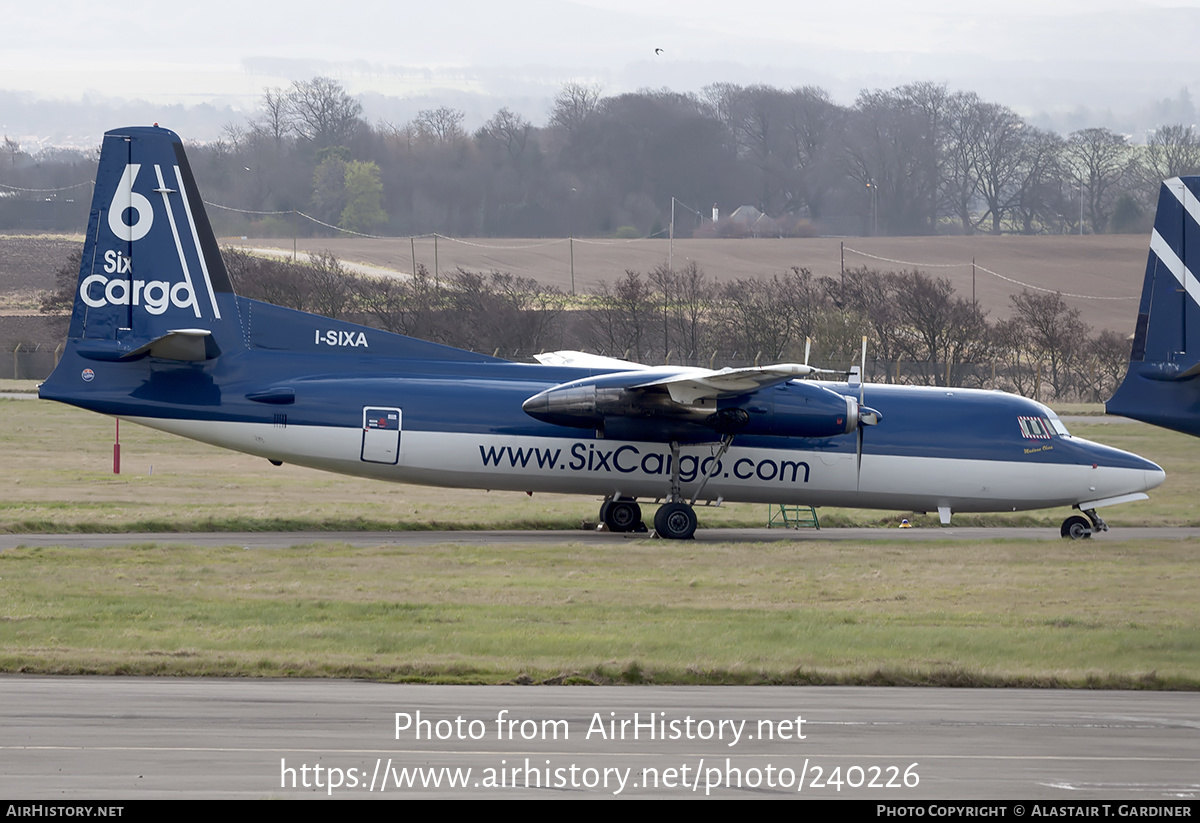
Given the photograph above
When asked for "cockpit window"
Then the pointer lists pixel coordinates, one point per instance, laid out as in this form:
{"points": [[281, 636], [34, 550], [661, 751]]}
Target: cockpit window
{"points": [[1035, 428]]}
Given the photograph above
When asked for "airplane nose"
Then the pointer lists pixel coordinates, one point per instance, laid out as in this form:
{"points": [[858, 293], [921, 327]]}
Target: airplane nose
{"points": [[1155, 478]]}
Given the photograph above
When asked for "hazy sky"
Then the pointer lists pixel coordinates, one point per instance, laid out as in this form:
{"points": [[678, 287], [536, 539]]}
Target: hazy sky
{"points": [[1034, 55]]}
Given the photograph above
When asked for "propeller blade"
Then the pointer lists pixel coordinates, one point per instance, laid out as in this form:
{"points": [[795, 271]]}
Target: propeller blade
{"points": [[858, 455], [862, 372]]}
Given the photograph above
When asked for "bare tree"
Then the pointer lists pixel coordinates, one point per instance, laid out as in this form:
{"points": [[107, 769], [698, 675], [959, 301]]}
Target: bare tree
{"points": [[893, 147], [330, 285], [510, 129], [621, 315], [769, 317], [573, 104], [983, 161], [1171, 151], [322, 112], [274, 118], [1099, 158], [1055, 332], [442, 125], [1038, 200]]}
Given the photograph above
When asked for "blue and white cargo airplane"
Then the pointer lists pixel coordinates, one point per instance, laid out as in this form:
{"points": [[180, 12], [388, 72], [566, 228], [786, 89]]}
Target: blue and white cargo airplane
{"points": [[158, 336], [1162, 385]]}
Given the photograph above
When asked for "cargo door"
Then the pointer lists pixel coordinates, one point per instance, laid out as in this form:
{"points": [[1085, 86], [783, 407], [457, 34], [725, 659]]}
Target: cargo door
{"points": [[381, 435]]}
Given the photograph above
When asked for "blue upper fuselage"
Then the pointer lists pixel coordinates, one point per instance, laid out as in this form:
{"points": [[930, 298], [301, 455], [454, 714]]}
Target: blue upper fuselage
{"points": [[301, 375]]}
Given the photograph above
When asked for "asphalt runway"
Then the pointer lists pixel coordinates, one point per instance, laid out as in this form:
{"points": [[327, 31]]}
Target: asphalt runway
{"points": [[106, 738], [278, 540]]}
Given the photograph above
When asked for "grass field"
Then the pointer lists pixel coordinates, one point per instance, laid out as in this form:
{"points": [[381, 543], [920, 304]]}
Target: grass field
{"points": [[1097, 614]]}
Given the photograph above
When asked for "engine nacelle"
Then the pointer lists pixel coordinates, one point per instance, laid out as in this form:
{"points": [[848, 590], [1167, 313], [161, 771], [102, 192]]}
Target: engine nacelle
{"points": [[801, 409], [793, 409]]}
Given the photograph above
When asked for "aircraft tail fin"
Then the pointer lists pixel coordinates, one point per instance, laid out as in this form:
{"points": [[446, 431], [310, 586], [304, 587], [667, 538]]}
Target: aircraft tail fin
{"points": [[151, 266], [1160, 386]]}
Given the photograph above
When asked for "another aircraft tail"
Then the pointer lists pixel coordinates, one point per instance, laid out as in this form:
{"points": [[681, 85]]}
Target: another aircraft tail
{"points": [[1161, 385]]}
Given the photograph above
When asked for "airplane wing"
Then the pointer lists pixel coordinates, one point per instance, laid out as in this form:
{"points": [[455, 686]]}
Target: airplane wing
{"points": [[689, 387], [667, 402]]}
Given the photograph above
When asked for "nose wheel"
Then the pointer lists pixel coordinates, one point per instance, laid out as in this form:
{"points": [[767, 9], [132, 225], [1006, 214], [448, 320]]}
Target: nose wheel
{"points": [[1082, 528], [1076, 528]]}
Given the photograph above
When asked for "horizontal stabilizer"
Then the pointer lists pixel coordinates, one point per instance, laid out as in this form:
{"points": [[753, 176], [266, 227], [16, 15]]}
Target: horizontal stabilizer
{"points": [[181, 344]]}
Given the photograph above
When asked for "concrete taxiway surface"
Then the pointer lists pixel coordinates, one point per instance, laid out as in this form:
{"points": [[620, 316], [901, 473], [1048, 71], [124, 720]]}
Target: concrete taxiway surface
{"points": [[131, 738]]}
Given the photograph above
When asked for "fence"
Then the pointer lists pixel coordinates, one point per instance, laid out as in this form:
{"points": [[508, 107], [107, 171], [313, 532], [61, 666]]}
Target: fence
{"points": [[33, 362]]}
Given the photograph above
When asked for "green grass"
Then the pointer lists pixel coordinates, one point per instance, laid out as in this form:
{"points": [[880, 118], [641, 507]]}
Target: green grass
{"points": [[1105, 614]]}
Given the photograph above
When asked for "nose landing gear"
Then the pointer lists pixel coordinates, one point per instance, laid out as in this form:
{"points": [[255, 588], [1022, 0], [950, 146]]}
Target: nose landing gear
{"points": [[1082, 528]]}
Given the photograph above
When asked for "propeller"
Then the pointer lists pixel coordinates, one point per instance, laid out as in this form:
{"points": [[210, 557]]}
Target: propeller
{"points": [[866, 415]]}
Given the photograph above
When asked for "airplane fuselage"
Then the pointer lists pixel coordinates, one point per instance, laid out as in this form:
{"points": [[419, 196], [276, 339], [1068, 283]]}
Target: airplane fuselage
{"points": [[460, 424]]}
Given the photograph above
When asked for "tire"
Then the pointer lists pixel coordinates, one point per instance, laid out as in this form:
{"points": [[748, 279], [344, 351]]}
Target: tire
{"points": [[675, 521], [621, 515], [1076, 528]]}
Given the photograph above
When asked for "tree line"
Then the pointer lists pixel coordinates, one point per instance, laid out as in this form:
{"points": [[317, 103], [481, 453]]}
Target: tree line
{"points": [[915, 159], [920, 330]]}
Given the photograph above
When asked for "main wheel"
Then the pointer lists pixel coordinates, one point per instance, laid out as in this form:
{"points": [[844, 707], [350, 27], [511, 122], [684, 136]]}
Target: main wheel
{"points": [[1076, 528], [675, 521], [621, 515]]}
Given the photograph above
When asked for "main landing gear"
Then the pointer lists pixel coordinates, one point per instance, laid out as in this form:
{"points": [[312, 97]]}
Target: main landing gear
{"points": [[1082, 528], [676, 518], [621, 514], [675, 521]]}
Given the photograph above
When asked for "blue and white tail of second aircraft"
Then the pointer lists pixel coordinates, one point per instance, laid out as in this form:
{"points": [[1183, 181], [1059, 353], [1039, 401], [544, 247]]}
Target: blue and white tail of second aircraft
{"points": [[1161, 385]]}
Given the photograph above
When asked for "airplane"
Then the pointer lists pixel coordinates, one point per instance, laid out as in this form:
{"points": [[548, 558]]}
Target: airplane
{"points": [[1161, 385], [158, 336]]}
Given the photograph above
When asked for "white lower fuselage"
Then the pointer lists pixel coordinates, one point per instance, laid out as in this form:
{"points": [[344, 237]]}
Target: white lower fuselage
{"points": [[641, 469]]}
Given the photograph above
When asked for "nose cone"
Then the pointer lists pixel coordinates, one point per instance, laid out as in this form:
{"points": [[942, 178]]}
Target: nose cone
{"points": [[1117, 473]]}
